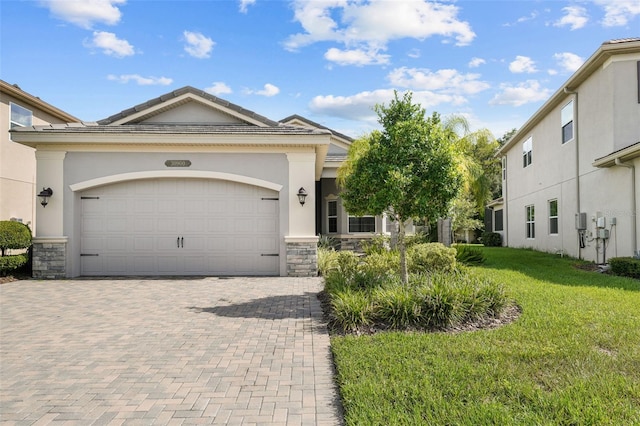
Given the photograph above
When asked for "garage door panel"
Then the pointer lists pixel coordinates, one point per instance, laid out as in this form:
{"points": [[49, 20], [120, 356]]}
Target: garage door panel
{"points": [[180, 226]]}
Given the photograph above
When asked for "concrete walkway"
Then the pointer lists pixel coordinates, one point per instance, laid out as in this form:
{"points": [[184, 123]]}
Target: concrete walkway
{"points": [[237, 351]]}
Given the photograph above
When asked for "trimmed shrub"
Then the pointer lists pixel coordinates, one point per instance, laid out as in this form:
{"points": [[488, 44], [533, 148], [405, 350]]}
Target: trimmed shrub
{"points": [[431, 257], [376, 245], [14, 236], [491, 239], [398, 307], [10, 263], [469, 255], [625, 267], [418, 238]]}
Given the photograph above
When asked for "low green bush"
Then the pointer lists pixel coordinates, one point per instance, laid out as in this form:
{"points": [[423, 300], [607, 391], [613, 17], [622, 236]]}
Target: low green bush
{"points": [[491, 239], [14, 236], [351, 310], [431, 257], [11, 263], [327, 242], [399, 307], [625, 267], [376, 245], [469, 255], [327, 260]]}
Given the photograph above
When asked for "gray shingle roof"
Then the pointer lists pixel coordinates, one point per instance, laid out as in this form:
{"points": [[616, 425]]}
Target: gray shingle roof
{"points": [[179, 92], [314, 124]]}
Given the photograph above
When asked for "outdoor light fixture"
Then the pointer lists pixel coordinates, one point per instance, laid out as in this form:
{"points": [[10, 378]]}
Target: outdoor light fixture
{"points": [[302, 195], [44, 195]]}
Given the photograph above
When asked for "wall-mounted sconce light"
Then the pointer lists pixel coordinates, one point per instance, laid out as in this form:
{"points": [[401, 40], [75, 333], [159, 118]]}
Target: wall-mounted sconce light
{"points": [[44, 195], [302, 195]]}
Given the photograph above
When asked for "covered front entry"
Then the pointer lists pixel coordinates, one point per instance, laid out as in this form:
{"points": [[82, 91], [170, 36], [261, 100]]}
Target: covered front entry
{"points": [[179, 226]]}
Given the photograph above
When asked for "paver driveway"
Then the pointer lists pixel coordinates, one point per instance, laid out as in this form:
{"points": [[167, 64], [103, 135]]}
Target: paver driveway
{"points": [[165, 351]]}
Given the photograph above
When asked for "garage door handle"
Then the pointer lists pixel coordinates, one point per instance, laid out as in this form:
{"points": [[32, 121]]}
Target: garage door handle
{"points": [[178, 242], [182, 241]]}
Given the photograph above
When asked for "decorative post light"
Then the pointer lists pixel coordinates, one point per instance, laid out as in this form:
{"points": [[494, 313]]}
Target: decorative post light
{"points": [[302, 195], [44, 195]]}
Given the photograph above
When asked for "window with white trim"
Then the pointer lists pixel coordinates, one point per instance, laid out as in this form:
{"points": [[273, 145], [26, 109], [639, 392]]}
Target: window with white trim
{"points": [[20, 116], [498, 220], [553, 217], [527, 148], [530, 222], [362, 224], [566, 115], [332, 216]]}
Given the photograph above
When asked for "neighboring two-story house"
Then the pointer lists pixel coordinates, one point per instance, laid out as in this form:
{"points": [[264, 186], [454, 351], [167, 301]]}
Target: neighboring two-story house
{"points": [[570, 173], [18, 162]]}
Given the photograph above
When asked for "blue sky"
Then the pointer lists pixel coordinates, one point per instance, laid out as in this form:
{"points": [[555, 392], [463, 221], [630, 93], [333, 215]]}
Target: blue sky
{"points": [[495, 62]]}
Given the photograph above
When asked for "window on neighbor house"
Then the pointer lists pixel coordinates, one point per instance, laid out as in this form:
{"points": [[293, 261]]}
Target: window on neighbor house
{"points": [[362, 224], [332, 215], [497, 220], [567, 122], [527, 148], [530, 222], [638, 82], [553, 216], [20, 116], [504, 168]]}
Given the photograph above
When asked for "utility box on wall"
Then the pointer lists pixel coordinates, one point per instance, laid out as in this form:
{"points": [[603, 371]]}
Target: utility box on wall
{"points": [[581, 221]]}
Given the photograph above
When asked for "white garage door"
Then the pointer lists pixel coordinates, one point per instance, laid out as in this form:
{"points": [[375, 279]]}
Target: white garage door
{"points": [[179, 227]]}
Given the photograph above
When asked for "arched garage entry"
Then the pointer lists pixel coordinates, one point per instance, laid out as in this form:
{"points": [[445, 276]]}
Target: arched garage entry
{"points": [[179, 224]]}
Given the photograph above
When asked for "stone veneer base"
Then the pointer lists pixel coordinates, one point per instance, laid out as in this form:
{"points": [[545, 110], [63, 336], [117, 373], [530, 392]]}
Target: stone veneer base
{"points": [[302, 259], [49, 259]]}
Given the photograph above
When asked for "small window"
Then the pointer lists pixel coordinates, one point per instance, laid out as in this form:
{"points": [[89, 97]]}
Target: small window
{"points": [[527, 148], [20, 117], [553, 217], [497, 220], [530, 221], [332, 215], [567, 122], [362, 224], [504, 168]]}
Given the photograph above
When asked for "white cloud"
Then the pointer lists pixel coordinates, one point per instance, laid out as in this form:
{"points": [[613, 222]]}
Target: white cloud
{"points": [[244, 5], [369, 26], [414, 53], [357, 57], [218, 88], [476, 62], [618, 12], [110, 44], [268, 91], [446, 80], [198, 45], [85, 13], [142, 81], [522, 64], [569, 61], [360, 106], [575, 17], [524, 93], [522, 19]]}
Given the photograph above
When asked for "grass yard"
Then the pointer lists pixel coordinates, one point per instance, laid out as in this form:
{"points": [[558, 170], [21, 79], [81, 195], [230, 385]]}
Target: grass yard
{"points": [[571, 358]]}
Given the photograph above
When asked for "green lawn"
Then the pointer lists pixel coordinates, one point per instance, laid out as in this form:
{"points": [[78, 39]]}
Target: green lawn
{"points": [[572, 358]]}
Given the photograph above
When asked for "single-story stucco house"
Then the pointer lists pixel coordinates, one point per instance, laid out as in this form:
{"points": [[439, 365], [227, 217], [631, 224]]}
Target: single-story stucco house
{"points": [[187, 184]]}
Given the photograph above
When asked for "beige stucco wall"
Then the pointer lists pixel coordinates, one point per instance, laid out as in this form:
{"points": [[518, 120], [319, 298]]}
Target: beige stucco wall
{"points": [[18, 165], [607, 119]]}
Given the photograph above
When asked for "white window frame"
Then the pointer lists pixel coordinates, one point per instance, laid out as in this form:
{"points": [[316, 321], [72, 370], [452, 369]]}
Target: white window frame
{"points": [[552, 218], [361, 217], [14, 123], [527, 152], [530, 221], [504, 168], [566, 119], [329, 217]]}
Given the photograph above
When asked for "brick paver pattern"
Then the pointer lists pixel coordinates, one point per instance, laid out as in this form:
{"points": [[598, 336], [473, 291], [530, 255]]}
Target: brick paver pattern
{"points": [[236, 351]]}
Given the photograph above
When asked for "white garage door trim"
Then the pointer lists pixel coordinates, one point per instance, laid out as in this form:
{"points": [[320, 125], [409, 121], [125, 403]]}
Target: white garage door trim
{"points": [[179, 226], [192, 174]]}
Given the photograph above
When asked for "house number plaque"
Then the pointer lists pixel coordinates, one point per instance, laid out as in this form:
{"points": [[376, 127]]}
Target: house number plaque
{"points": [[177, 163]]}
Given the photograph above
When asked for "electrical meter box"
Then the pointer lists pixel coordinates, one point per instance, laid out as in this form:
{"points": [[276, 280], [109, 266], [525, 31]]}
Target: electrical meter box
{"points": [[601, 222], [602, 234], [581, 221]]}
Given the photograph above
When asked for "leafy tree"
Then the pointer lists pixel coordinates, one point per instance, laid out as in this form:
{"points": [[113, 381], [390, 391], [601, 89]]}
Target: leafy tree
{"points": [[508, 135], [407, 170]]}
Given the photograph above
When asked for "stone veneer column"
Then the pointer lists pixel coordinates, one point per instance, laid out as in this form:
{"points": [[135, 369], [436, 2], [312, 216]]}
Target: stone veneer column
{"points": [[49, 258], [302, 257]]}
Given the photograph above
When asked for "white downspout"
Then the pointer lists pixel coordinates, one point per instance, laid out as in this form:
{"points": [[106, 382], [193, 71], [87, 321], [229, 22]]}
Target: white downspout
{"points": [[576, 127], [634, 209]]}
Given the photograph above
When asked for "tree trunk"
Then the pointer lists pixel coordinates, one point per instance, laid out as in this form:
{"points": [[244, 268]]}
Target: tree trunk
{"points": [[404, 276]]}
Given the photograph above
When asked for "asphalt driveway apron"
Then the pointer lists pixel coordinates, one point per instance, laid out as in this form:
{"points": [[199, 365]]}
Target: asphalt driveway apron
{"points": [[240, 351]]}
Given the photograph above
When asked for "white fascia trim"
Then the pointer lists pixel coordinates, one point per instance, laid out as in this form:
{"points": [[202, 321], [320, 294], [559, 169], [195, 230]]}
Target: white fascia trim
{"points": [[190, 174], [50, 240], [309, 239]]}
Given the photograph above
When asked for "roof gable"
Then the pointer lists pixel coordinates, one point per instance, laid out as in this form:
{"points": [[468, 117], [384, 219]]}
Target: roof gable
{"points": [[188, 106], [339, 142]]}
